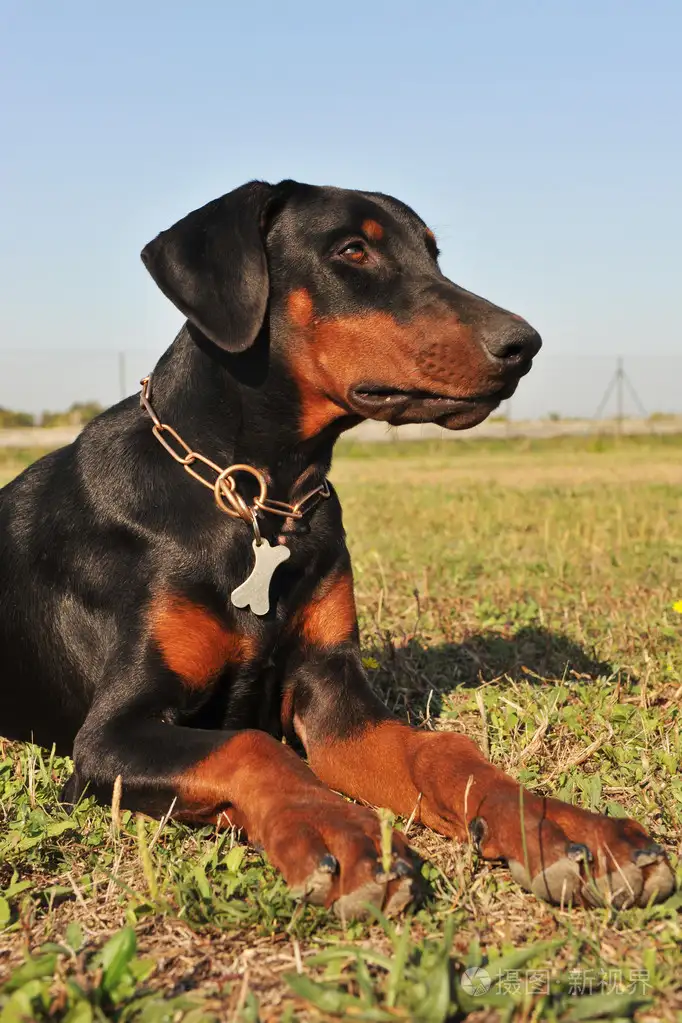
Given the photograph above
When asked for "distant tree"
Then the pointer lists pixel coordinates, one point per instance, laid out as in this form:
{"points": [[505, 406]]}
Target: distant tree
{"points": [[80, 413], [10, 420]]}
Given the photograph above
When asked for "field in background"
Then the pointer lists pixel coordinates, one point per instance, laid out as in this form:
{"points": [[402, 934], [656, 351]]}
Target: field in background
{"points": [[521, 591], [494, 428], [13, 460]]}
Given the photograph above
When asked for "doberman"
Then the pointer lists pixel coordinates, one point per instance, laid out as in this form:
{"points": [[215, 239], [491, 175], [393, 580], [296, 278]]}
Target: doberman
{"points": [[136, 633]]}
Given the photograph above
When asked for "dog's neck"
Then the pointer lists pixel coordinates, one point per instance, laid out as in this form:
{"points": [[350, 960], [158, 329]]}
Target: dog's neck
{"points": [[240, 409]]}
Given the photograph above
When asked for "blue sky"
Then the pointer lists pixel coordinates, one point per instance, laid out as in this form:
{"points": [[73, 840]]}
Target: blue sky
{"points": [[541, 140]]}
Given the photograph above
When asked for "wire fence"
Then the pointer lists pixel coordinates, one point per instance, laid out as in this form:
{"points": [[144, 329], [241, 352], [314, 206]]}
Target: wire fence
{"points": [[593, 388]]}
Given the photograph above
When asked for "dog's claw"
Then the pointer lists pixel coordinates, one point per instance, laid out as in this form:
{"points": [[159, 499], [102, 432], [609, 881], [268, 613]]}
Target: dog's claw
{"points": [[478, 830], [403, 868], [328, 864], [401, 897], [399, 868], [390, 890], [317, 886], [654, 853], [579, 853]]}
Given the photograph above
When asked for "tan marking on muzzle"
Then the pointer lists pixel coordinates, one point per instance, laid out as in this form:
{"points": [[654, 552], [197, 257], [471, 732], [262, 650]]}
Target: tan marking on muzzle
{"points": [[430, 353]]}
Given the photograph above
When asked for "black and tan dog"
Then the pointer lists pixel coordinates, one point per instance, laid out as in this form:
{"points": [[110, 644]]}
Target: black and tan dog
{"points": [[135, 631]]}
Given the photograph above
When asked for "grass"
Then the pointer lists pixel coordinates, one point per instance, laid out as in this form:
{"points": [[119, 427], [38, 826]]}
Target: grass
{"points": [[521, 592], [13, 460]]}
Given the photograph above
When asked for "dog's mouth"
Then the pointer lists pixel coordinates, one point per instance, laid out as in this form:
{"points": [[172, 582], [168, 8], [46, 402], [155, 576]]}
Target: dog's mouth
{"points": [[398, 407]]}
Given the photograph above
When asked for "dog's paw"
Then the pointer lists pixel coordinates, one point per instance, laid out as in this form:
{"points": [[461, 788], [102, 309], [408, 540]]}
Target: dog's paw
{"points": [[612, 862], [331, 855]]}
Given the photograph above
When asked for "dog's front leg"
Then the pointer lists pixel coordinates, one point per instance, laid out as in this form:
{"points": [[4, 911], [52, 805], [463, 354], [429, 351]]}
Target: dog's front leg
{"points": [[560, 852], [552, 848], [328, 849]]}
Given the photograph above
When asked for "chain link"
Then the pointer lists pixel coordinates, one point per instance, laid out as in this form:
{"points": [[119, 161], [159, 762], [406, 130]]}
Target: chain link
{"points": [[224, 487]]}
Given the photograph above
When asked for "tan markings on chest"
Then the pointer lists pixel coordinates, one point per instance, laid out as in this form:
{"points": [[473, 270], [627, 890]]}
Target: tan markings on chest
{"points": [[329, 618], [194, 643]]}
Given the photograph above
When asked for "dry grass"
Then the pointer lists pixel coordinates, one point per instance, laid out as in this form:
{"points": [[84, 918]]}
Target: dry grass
{"points": [[520, 592]]}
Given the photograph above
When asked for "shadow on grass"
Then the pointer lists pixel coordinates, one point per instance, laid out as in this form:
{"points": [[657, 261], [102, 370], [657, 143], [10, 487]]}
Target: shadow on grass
{"points": [[411, 674]]}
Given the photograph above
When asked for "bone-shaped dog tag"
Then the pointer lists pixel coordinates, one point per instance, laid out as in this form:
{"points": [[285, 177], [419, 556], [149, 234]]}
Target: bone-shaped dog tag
{"points": [[254, 592]]}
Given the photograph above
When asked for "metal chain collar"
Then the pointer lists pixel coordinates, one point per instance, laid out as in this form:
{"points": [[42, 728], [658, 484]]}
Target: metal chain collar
{"points": [[224, 487]]}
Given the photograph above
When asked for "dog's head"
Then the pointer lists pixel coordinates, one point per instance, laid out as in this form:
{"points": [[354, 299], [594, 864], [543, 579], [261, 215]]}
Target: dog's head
{"points": [[358, 313]]}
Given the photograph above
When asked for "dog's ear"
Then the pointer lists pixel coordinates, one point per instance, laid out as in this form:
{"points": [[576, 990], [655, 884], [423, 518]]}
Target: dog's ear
{"points": [[212, 265]]}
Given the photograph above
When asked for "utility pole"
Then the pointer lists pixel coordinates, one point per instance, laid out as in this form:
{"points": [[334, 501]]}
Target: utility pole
{"points": [[122, 373], [618, 383]]}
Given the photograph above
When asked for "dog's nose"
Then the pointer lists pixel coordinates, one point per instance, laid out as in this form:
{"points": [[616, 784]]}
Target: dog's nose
{"points": [[512, 344]]}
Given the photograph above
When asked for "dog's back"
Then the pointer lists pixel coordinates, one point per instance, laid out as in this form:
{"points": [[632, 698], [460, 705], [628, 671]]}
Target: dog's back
{"points": [[53, 623]]}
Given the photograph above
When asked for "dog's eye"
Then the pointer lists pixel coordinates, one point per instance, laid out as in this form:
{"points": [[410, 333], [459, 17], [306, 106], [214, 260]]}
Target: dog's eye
{"points": [[355, 252]]}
